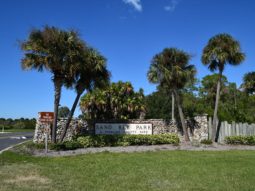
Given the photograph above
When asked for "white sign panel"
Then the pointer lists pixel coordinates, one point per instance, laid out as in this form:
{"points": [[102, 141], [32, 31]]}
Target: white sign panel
{"points": [[123, 128]]}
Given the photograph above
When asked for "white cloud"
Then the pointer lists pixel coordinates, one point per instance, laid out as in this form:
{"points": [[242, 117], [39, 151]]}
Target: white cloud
{"points": [[171, 7], [135, 3]]}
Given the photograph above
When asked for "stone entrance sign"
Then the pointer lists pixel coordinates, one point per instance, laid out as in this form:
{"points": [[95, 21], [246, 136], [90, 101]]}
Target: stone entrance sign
{"points": [[123, 128], [46, 117]]}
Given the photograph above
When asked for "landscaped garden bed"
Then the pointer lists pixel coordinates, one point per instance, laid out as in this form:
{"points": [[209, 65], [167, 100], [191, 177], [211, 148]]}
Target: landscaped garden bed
{"points": [[111, 140]]}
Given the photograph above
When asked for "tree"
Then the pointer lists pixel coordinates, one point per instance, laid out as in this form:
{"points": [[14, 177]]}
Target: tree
{"points": [[91, 73], [158, 105], [221, 49], [170, 69], [208, 88], [249, 83], [117, 101], [229, 96], [63, 111], [54, 50]]}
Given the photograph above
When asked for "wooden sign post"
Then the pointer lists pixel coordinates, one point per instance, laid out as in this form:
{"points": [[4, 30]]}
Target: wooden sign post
{"points": [[47, 119]]}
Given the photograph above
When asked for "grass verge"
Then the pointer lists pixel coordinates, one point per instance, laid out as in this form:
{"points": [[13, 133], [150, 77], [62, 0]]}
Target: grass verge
{"points": [[18, 130], [162, 170]]}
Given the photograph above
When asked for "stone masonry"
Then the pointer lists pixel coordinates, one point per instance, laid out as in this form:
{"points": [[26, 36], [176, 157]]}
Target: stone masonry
{"points": [[198, 128]]}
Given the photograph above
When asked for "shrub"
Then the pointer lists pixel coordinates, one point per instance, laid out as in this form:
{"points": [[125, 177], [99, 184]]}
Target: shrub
{"points": [[115, 140], [32, 146], [206, 141], [125, 140], [72, 145], [57, 146], [240, 140], [85, 141]]}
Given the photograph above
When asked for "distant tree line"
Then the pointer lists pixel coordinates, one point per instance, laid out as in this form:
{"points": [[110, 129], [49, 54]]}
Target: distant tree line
{"points": [[22, 123]]}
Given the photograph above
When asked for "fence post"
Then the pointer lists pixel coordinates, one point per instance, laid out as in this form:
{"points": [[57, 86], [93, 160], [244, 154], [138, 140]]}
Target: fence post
{"points": [[245, 129], [240, 129], [223, 131], [237, 129], [250, 130], [233, 128], [230, 129]]}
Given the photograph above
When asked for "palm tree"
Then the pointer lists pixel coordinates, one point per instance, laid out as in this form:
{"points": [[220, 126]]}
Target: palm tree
{"points": [[170, 69], [91, 73], [56, 51], [249, 83], [117, 101], [221, 49]]}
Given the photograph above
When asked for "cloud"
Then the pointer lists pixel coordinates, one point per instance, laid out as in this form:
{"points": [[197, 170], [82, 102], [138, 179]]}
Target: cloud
{"points": [[171, 7], [135, 3]]}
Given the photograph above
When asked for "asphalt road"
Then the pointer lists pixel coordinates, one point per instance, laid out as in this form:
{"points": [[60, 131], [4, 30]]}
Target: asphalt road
{"points": [[10, 139]]}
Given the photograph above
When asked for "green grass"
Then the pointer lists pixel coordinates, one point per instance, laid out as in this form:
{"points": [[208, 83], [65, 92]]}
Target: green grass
{"points": [[162, 170], [17, 130]]}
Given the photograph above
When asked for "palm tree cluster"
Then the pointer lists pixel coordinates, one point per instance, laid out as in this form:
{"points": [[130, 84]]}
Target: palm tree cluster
{"points": [[171, 69], [117, 101], [69, 59]]}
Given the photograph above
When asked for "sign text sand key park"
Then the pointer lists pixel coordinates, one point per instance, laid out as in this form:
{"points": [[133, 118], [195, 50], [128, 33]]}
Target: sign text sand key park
{"points": [[123, 128]]}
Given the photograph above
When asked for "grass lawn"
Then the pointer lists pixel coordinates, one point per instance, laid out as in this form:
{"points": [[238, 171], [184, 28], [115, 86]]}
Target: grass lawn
{"points": [[17, 130], [162, 170]]}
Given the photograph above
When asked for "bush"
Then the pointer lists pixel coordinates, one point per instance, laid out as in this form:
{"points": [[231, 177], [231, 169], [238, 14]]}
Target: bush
{"points": [[67, 145], [57, 146], [86, 141], [125, 140], [115, 140], [32, 146], [206, 141], [72, 145], [240, 140]]}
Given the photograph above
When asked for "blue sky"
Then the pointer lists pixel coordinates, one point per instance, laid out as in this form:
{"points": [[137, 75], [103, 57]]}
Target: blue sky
{"points": [[127, 32]]}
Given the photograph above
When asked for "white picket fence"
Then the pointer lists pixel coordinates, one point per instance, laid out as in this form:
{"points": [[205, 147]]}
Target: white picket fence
{"points": [[234, 129]]}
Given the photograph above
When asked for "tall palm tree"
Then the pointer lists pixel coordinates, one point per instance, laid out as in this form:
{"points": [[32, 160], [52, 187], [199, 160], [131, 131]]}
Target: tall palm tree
{"points": [[56, 51], [91, 73], [221, 49], [170, 69], [249, 83]]}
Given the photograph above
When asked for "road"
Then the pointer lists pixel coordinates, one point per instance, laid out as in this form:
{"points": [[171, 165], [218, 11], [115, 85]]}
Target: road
{"points": [[10, 139]]}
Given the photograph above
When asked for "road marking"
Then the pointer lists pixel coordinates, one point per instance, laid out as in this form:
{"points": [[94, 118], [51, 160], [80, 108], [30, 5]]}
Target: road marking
{"points": [[8, 148], [15, 137]]}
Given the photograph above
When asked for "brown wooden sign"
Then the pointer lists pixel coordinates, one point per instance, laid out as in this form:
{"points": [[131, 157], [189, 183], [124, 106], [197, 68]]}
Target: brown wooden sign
{"points": [[46, 117]]}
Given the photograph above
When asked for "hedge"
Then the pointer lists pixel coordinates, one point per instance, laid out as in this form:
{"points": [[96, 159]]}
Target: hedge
{"points": [[116, 140], [125, 140], [240, 140], [206, 142]]}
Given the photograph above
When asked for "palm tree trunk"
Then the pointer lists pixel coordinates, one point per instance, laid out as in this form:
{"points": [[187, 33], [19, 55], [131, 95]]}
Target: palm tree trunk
{"points": [[184, 127], [57, 87], [173, 107], [215, 118], [70, 116]]}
